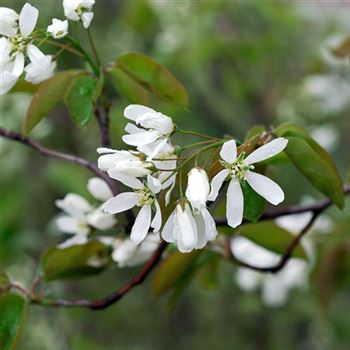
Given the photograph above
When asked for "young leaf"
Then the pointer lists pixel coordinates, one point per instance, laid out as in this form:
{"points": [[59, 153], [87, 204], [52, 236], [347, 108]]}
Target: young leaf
{"points": [[79, 99], [171, 270], [13, 312], [270, 236], [47, 97], [4, 282], [254, 131], [128, 87], [74, 262], [23, 86], [313, 161], [254, 204], [151, 76]]}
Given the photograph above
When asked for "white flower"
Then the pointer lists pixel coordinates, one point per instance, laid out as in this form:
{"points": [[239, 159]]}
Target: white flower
{"points": [[275, 287], [144, 197], [240, 169], [58, 29], [197, 191], [77, 10], [42, 67], [127, 254], [187, 229], [81, 216], [155, 128], [16, 43], [123, 166]]}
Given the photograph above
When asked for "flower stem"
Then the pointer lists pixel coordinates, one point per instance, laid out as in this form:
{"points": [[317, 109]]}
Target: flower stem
{"points": [[93, 47], [188, 132]]}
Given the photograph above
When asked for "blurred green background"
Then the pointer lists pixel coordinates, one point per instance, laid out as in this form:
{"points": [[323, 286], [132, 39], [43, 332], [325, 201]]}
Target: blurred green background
{"points": [[243, 63]]}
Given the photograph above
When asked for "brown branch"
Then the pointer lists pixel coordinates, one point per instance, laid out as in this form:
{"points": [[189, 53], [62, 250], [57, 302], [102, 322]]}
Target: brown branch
{"points": [[12, 135], [316, 209], [291, 210], [100, 304], [102, 117]]}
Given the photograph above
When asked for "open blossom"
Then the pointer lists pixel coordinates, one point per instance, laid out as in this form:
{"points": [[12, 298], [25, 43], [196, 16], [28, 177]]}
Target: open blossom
{"points": [[80, 216], [58, 29], [240, 169], [152, 129], [123, 166], [275, 287], [144, 196], [79, 10], [127, 254], [16, 43]]}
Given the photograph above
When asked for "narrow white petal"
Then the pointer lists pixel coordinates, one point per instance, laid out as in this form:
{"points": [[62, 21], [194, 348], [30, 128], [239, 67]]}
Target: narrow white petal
{"points": [[265, 187], [154, 184], [168, 229], [187, 228], [267, 151], [140, 139], [67, 224], [100, 220], [158, 146], [216, 184], [132, 112], [120, 203], [133, 129], [36, 56], [18, 65], [102, 150], [170, 190], [234, 204], [157, 220], [142, 223], [27, 19], [129, 181], [75, 240], [229, 151], [201, 237], [99, 189], [210, 227], [87, 18], [8, 21]]}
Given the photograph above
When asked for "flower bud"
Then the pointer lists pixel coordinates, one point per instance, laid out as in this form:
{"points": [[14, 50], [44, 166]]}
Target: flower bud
{"points": [[197, 188]]}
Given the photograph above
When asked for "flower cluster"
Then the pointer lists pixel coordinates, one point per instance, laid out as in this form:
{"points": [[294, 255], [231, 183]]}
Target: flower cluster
{"points": [[154, 167], [18, 53]]}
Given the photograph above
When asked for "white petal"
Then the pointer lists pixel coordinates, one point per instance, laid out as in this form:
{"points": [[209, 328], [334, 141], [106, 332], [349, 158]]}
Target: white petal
{"points": [[99, 189], [140, 139], [197, 190], [168, 193], [154, 184], [121, 202], [100, 220], [267, 151], [210, 227], [168, 229], [74, 205], [68, 224], [188, 237], [157, 220], [7, 82], [133, 129], [27, 19], [201, 237], [8, 21], [142, 223], [229, 151], [36, 56], [265, 187], [216, 184], [129, 181], [102, 150], [87, 18], [132, 112], [75, 240], [234, 204], [18, 65]]}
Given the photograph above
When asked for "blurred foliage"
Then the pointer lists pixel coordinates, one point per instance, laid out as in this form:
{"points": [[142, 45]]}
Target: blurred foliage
{"points": [[243, 63]]}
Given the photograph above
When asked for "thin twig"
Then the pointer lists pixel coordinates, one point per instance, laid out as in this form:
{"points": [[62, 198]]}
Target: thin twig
{"points": [[12, 135], [100, 304], [102, 117]]}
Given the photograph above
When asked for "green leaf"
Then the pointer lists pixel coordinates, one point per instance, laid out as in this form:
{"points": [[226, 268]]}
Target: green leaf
{"points": [[80, 98], [313, 161], [254, 204], [171, 270], [74, 262], [208, 273], [128, 87], [23, 86], [4, 282], [13, 312], [270, 236], [47, 97], [151, 76], [254, 131]]}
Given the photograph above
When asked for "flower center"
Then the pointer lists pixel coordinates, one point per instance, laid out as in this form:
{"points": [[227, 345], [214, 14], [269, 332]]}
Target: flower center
{"points": [[81, 10], [19, 44], [145, 196], [238, 168]]}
